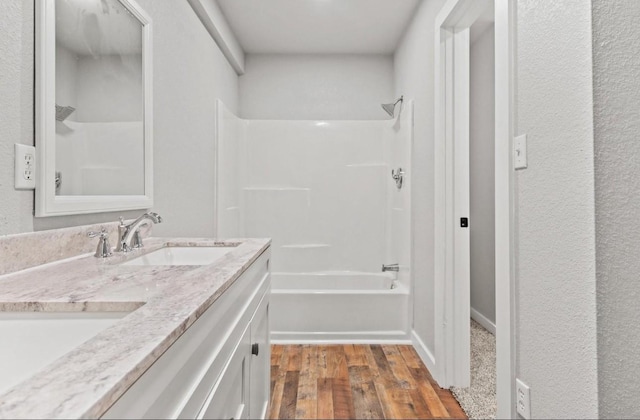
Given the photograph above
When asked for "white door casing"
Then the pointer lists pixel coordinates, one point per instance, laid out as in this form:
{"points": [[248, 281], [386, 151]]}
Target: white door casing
{"points": [[451, 201]]}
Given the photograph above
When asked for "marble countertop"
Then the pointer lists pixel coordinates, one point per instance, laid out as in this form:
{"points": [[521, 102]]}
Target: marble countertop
{"points": [[165, 301]]}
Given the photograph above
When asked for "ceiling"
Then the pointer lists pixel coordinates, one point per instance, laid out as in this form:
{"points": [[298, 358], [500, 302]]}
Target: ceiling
{"points": [[319, 26]]}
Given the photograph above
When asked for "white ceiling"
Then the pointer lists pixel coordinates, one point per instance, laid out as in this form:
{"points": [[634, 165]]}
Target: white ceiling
{"points": [[319, 26]]}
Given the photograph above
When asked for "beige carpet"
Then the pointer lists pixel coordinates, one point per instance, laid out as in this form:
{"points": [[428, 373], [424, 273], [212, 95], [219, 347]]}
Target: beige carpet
{"points": [[479, 400]]}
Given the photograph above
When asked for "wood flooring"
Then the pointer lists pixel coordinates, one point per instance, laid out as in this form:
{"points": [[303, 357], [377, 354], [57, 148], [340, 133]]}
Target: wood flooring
{"points": [[355, 382]]}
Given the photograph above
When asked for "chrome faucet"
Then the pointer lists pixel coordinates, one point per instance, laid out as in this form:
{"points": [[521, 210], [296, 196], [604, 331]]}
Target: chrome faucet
{"points": [[390, 267], [129, 235]]}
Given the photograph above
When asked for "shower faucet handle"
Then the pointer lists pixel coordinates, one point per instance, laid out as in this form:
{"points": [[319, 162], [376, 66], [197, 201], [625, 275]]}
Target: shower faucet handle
{"points": [[398, 177]]}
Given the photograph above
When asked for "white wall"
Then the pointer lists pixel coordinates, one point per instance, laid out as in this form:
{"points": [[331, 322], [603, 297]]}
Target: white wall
{"points": [[616, 47], [482, 177], [555, 296], [316, 87], [190, 72], [556, 334], [414, 78]]}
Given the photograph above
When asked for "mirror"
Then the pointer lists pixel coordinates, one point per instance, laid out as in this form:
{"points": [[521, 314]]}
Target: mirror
{"points": [[93, 107]]}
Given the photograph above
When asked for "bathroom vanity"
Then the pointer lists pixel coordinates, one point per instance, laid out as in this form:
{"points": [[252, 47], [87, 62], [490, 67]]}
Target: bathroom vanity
{"points": [[179, 329]]}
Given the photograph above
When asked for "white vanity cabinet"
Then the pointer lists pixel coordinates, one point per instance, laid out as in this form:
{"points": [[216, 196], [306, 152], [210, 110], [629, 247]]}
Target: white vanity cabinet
{"points": [[219, 367], [246, 375]]}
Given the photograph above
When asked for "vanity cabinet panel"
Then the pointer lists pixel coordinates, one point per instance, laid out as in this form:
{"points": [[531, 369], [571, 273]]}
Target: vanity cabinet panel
{"points": [[229, 399], [193, 371], [260, 362]]}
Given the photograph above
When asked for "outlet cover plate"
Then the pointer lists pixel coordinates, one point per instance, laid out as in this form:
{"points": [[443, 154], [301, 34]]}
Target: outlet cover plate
{"points": [[523, 399], [25, 167]]}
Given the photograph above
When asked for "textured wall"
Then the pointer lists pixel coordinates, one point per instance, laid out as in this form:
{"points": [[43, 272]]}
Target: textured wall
{"points": [[616, 65], [556, 305], [190, 72], [414, 78], [482, 176], [16, 109], [316, 87]]}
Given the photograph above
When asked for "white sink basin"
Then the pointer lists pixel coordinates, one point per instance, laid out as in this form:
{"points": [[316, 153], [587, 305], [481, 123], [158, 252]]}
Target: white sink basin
{"points": [[194, 255], [32, 340]]}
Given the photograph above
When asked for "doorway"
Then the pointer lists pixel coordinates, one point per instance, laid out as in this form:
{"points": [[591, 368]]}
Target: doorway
{"points": [[453, 200], [479, 399]]}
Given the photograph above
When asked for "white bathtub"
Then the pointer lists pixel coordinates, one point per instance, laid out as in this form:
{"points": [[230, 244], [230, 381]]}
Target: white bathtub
{"points": [[347, 307]]}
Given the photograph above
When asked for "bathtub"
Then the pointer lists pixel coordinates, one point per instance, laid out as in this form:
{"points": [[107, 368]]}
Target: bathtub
{"points": [[338, 307]]}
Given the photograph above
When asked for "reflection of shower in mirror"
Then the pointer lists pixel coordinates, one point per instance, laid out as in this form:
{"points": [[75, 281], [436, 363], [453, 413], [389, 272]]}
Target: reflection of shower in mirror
{"points": [[58, 181], [63, 112], [391, 108]]}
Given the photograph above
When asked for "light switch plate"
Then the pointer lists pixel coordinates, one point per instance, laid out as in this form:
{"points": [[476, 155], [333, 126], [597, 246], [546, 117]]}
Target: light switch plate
{"points": [[25, 167], [520, 152]]}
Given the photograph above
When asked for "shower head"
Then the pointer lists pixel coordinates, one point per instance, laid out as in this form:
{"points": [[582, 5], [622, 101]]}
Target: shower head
{"points": [[63, 112], [391, 108]]}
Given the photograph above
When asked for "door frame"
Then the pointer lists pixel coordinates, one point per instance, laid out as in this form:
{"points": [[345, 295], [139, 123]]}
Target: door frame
{"points": [[451, 265]]}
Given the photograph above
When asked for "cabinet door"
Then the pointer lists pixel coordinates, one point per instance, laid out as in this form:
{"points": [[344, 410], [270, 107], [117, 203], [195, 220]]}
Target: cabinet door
{"points": [[230, 396], [260, 362]]}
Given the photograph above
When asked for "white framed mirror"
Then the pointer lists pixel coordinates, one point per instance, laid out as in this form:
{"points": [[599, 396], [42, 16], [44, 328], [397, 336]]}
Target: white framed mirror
{"points": [[94, 117]]}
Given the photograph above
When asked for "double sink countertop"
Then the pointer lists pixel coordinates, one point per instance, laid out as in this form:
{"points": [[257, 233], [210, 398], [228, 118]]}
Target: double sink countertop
{"points": [[165, 301]]}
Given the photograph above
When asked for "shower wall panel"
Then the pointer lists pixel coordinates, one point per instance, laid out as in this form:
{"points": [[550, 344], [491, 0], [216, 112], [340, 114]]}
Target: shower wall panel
{"points": [[230, 140], [322, 190], [398, 147], [317, 188]]}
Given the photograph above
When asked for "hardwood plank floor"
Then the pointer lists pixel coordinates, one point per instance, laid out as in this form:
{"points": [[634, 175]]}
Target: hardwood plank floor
{"points": [[355, 381]]}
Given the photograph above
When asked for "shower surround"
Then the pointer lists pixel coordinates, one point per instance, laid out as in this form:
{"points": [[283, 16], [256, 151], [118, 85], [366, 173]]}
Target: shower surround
{"points": [[323, 191]]}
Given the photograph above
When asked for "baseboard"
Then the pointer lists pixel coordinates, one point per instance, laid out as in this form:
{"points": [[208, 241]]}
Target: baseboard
{"points": [[382, 337], [484, 321], [424, 353]]}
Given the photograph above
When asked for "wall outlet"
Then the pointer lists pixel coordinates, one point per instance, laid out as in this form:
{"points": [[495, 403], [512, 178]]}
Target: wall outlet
{"points": [[523, 399], [25, 167], [520, 152]]}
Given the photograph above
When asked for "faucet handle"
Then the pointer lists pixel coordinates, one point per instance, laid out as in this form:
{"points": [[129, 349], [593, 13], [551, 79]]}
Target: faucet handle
{"points": [[104, 248], [103, 234]]}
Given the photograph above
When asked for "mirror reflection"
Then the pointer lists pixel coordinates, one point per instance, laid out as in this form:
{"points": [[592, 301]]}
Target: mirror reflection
{"points": [[99, 99]]}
